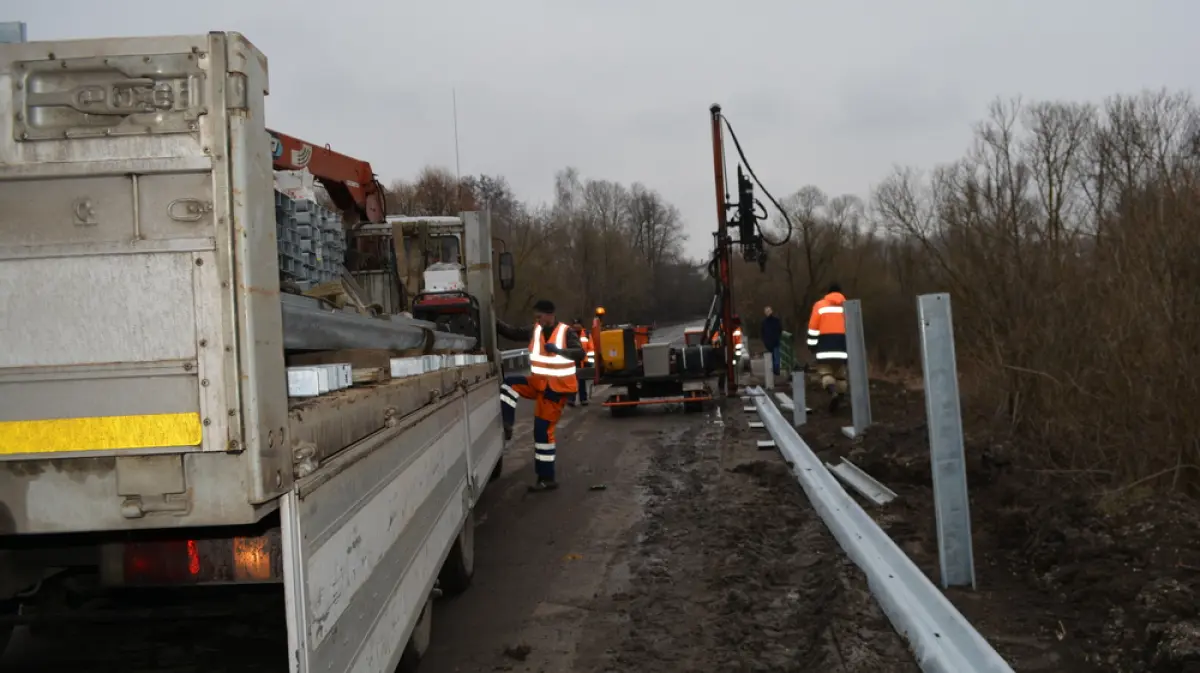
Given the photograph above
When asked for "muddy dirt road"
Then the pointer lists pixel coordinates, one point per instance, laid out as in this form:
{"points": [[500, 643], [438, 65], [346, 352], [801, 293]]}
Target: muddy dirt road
{"points": [[700, 554], [1070, 579], [672, 545]]}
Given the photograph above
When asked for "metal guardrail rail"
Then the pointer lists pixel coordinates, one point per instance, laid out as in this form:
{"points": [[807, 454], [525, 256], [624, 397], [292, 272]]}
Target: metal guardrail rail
{"points": [[942, 640], [866, 485], [514, 360]]}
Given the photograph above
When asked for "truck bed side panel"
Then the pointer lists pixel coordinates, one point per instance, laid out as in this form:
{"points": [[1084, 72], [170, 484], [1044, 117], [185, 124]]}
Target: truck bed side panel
{"points": [[486, 428], [365, 538]]}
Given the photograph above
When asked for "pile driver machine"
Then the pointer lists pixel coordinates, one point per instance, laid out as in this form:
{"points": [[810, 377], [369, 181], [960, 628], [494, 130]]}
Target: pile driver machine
{"points": [[748, 212], [639, 372]]}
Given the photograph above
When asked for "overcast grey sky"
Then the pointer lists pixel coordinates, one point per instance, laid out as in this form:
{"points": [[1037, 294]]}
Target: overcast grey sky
{"points": [[825, 93]]}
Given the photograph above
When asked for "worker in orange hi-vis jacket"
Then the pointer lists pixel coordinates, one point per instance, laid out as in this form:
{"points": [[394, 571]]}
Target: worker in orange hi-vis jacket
{"points": [[554, 349], [827, 341], [739, 350], [588, 361]]}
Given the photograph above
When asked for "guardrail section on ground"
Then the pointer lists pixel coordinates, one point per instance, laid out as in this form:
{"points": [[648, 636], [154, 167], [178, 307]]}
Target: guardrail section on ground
{"points": [[942, 640]]}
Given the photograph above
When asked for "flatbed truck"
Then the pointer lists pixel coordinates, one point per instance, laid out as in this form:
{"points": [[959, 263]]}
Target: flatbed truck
{"points": [[147, 435]]}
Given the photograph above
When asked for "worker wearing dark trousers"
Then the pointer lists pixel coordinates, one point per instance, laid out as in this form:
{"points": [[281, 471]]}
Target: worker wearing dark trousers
{"points": [[771, 333], [588, 361], [553, 351], [583, 392], [827, 340]]}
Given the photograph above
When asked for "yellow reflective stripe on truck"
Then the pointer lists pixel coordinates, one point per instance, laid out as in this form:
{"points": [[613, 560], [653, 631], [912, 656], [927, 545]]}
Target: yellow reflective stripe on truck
{"points": [[100, 433]]}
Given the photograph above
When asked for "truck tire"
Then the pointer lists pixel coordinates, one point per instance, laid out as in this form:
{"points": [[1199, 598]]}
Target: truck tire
{"points": [[459, 568], [498, 470], [418, 642]]}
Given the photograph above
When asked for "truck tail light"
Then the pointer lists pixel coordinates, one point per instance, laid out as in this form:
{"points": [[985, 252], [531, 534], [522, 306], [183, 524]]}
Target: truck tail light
{"points": [[204, 561], [168, 562], [252, 558]]}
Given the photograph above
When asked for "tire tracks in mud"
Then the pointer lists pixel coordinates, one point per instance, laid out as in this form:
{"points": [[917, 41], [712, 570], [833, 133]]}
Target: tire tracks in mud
{"points": [[732, 570]]}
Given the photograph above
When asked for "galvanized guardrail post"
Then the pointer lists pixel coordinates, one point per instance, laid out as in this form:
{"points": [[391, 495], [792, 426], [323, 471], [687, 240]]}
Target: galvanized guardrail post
{"points": [[799, 410], [787, 352], [946, 455], [768, 372], [860, 384]]}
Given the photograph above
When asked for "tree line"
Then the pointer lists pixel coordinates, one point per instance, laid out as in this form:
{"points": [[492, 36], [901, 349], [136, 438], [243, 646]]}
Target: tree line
{"points": [[1068, 235]]}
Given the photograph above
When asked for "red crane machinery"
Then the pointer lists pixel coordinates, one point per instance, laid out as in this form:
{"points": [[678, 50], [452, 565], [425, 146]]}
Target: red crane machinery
{"points": [[350, 182]]}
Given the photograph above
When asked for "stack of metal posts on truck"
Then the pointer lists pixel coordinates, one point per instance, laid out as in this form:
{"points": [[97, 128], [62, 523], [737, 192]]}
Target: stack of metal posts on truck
{"points": [[147, 433]]}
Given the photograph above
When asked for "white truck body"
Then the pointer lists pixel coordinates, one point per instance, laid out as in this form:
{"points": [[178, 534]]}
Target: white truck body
{"points": [[142, 372]]}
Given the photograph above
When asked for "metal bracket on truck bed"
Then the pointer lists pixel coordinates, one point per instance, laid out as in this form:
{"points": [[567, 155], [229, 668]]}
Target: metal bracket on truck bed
{"points": [[152, 484]]}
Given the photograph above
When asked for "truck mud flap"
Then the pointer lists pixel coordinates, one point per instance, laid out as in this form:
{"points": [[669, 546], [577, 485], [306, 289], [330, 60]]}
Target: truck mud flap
{"points": [[365, 536]]}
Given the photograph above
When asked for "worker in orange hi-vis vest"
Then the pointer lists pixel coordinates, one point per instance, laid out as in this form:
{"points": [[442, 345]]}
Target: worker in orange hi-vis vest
{"points": [[827, 341], [738, 348], [554, 349], [588, 361]]}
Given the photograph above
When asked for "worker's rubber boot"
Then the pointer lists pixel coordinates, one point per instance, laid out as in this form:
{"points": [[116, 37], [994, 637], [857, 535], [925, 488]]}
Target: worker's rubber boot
{"points": [[543, 485], [508, 433]]}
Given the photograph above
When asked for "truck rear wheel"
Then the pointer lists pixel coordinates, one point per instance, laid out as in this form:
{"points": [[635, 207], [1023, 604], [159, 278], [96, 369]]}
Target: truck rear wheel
{"points": [[459, 568], [418, 642]]}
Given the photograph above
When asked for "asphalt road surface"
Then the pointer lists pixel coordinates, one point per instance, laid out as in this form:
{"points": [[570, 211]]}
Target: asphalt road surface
{"points": [[672, 334]]}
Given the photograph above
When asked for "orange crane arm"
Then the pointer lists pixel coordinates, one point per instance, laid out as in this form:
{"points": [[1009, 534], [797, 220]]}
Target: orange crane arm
{"points": [[351, 182]]}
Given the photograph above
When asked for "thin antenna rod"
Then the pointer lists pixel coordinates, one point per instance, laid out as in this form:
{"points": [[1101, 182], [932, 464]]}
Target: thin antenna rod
{"points": [[457, 163]]}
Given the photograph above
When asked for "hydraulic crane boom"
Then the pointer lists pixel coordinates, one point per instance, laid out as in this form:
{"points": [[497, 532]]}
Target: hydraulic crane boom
{"points": [[350, 182]]}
